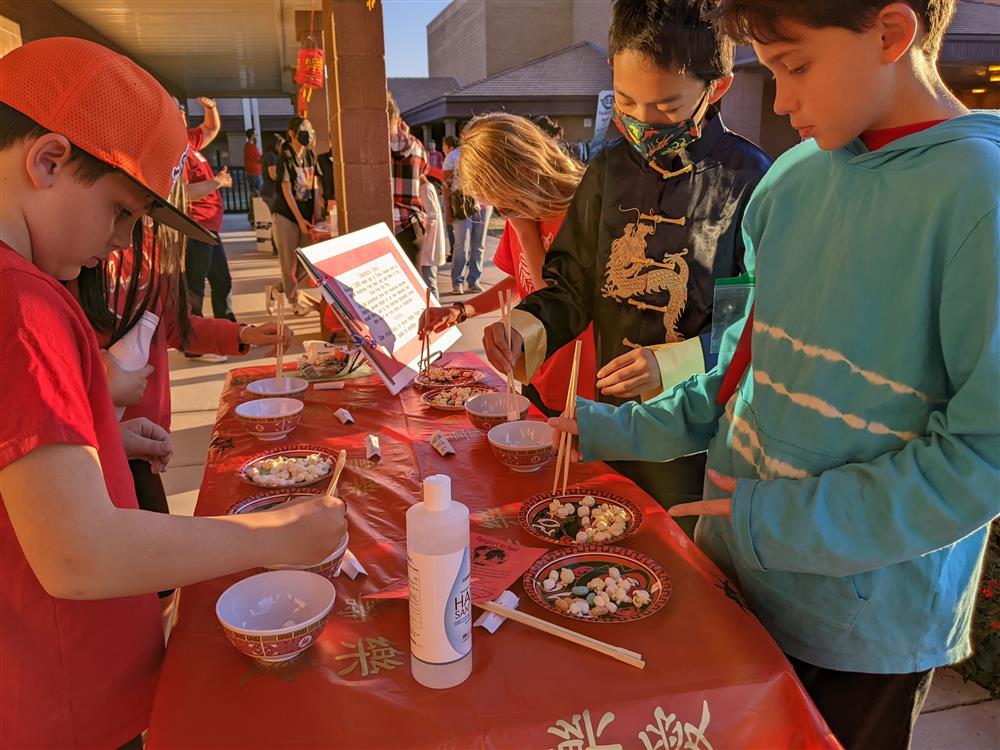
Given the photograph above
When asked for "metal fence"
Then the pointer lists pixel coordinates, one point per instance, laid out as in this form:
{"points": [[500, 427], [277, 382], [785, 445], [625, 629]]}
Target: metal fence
{"points": [[236, 200]]}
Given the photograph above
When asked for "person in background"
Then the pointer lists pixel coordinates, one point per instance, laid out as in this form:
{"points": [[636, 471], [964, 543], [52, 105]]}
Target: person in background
{"points": [[326, 181], [434, 242], [252, 163], [269, 168], [449, 144], [409, 165], [299, 195], [470, 230], [434, 157], [204, 262]]}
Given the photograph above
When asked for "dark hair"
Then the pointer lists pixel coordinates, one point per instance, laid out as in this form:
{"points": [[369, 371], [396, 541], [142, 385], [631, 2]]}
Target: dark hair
{"points": [[16, 127], [275, 141], [296, 122], [249, 133], [451, 141], [675, 34], [761, 20], [112, 303], [548, 126]]}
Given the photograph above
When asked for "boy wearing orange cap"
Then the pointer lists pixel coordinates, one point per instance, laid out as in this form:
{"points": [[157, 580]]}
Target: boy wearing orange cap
{"points": [[88, 143]]}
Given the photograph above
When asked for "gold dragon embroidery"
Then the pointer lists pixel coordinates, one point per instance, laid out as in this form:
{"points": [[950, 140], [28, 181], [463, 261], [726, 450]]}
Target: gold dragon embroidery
{"points": [[630, 273]]}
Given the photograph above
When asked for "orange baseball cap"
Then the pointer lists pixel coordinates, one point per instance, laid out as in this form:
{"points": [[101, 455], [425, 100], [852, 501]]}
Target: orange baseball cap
{"points": [[108, 106]]}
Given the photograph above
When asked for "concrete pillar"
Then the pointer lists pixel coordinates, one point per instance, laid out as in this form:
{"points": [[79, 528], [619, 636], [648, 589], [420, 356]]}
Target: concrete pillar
{"points": [[255, 114], [359, 125], [449, 127], [247, 114], [428, 136]]}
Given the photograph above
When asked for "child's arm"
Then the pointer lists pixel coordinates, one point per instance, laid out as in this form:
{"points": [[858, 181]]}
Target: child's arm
{"points": [[529, 236], [80, 546], [931, 493], [437, 319]]}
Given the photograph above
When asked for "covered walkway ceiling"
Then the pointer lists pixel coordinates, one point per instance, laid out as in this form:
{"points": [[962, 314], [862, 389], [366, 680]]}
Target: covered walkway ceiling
{"points": [[218, 48]]}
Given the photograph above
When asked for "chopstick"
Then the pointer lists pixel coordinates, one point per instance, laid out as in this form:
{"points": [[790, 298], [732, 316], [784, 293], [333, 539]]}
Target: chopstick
{"points": [[506, 298], [615, 652], [279, 349], [565, 439], [337, 469], [425, 345]]}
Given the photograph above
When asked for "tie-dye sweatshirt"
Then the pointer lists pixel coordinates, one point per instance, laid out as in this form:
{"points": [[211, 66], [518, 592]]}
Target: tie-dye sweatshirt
{"points": [[866, 432]]}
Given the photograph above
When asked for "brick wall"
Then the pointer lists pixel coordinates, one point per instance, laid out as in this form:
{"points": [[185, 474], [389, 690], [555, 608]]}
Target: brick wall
{"points": [[591, 20], [457, 41], [523, 31]]}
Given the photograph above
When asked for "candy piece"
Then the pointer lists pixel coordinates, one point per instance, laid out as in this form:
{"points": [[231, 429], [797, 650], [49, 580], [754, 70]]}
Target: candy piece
{"points": [[590, 598], [562, 604], [440, 444], [549, 585], [335, 385], [566, 576], [580, 591], [344, 416]]}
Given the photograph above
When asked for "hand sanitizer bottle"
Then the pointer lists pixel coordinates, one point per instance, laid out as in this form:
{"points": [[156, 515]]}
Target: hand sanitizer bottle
{"points": [[437, 558]]}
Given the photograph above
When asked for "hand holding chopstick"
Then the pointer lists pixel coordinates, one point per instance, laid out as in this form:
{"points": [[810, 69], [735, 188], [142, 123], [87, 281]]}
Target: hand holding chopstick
{"points": [[279, 349], [331, 488], [506, 299]]}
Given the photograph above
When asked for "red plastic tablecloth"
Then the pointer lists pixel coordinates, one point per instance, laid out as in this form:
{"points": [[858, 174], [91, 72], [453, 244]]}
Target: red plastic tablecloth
{"points": [[713, 677]]}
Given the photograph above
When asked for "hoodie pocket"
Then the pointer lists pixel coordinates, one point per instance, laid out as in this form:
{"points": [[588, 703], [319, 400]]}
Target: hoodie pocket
{"points": [[833, 601]]}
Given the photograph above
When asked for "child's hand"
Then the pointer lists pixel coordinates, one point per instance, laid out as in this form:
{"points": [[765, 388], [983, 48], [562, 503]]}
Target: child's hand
{"points": [[631, 374], [316, 525], [718, 507], [561, 425], [266, 334], [437, 319], [501, 356], [126, 386], [223, 179], [147, 441]]}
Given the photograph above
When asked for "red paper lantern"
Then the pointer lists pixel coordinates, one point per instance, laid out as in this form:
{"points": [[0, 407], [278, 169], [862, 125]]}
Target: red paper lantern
{"points": [[309, 70]]}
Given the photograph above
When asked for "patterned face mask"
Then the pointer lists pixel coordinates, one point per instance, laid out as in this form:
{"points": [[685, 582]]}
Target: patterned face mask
{"points": [[651, 141]]}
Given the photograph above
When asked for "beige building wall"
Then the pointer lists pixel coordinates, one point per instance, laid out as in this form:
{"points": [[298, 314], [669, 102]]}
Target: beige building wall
{"points": [[521, 31], [10, 35], [591, 21], [457, 40]]}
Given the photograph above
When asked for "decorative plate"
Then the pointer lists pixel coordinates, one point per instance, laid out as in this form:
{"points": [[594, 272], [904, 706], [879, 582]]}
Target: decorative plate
{"points": [[537, 518], [268, 500], [299, 451], [591, 562], [430, 397], [438, 377]]}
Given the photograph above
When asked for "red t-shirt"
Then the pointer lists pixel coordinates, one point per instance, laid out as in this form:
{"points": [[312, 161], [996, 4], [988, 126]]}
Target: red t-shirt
{"points": [[74, 673], [251, 159], [552, 378], [876, 139], [206, 211]]}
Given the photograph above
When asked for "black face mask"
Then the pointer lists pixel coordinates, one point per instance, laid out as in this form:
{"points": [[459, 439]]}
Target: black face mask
{"points": [[304, 137]]}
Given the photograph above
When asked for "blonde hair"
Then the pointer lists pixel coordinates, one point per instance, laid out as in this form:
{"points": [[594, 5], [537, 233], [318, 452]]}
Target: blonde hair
{"points": [[509, 162]]}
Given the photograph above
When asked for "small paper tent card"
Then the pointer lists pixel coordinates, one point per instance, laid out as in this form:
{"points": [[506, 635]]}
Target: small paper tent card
{"points": [[378, 296]]}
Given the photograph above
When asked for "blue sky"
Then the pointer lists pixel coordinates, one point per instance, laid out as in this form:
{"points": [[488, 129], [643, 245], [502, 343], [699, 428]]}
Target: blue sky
{"points": [[405, 24]]}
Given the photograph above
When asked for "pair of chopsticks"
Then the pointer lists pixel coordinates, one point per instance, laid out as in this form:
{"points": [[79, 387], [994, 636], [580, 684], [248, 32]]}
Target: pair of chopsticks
{"points": [[506, 303], [341, 462], [615, 652], [279, 349], [425, 344], [565, 439]]}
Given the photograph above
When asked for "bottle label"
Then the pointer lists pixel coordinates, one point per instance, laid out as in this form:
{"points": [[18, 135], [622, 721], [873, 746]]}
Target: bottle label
{"points": [[440, 606]]}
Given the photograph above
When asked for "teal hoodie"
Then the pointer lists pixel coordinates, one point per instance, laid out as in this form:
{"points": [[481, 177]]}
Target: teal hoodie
{"points": [[866, 432]]}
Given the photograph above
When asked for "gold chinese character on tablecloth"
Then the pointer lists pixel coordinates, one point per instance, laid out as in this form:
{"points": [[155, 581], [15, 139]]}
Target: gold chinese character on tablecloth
{"points": [[670, 734], [371, 654], [464, 435], [494, 518], [578, 733], [358, 609]]}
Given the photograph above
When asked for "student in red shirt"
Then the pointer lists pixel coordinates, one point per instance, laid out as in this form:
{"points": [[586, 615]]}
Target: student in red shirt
{"points": [[509, 163], [204, 261], [88, 143], [251, 163]]}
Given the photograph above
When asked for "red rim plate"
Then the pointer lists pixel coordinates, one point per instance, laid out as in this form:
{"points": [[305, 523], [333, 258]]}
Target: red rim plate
{"points": [[595, 559], [296, 451], [535, 512], [475, 376], [428, 395]]}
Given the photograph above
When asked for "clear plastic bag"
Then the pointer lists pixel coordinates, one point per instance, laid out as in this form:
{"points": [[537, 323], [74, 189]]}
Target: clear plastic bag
{"points": [[732, 298]]}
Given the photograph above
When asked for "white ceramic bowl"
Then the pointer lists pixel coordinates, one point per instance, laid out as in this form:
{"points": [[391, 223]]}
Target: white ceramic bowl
{"points": [[487, 410], [288, 387], [523, 446], [277, 615], [328, 568], [270, 419]]}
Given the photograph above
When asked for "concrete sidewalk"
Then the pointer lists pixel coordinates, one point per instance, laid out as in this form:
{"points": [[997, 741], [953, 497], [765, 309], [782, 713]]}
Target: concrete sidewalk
{"points": [[957, 715]]}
